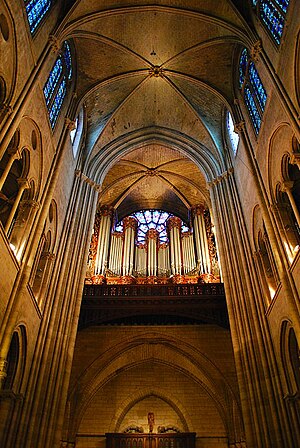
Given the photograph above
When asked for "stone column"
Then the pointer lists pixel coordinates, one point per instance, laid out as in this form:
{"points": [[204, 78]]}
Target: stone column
{"points": [[288, 185], [14, 155], [26, 213], [174, 228], [130, 226], [23, 184], [152, 240], [106, 214]]}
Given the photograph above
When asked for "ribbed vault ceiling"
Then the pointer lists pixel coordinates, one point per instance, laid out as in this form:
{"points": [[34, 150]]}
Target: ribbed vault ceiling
{"points": [[168, 65]]}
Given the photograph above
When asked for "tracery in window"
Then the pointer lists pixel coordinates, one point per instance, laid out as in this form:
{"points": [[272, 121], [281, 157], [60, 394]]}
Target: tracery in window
{"points": [[234, 137], [36, 11], [272, 13], [151, 219], [55, 88], [254, 93]]}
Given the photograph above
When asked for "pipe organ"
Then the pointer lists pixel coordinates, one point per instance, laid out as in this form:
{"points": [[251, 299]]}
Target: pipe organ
{"points": [[188, 256]]}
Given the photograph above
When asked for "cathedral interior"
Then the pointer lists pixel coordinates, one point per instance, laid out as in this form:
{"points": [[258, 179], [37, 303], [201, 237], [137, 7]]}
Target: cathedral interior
{"points": [[149, 223]]}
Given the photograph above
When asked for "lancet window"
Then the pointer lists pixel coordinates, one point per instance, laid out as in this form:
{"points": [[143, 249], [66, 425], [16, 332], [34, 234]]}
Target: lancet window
{"points": [[254, 93], [233, 136], [36, 11], [55, 88], [272, 13]]}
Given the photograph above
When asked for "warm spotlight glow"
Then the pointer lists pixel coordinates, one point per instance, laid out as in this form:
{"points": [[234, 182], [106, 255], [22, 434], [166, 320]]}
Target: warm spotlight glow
{"points": [[272, 292]]}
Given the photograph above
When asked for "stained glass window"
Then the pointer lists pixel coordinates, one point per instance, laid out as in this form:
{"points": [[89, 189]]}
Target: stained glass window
{"points": [[255, 95], [53, 80], [55, 88], [234, 137], [272, 13], [36, 11], [252, 108], [257, 86], [151, 219], [243, 66]]}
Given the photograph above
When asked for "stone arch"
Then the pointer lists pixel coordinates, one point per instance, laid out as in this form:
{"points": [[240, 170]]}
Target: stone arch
{"points": [[99, 165], [16, 360], [130, 402], [174, 353]]}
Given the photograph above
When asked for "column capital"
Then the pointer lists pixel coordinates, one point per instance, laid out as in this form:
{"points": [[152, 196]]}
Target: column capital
{"points": [[3, 370], [23, 183], [54, 43], [287, 185], [239, 127], [295, 158], [70, 124], [255, 50]]}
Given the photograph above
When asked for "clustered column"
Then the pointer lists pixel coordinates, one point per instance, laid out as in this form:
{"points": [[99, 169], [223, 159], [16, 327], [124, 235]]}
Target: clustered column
{"points": [[203, 259], [174, 228], [130, 226], [106, 214]]}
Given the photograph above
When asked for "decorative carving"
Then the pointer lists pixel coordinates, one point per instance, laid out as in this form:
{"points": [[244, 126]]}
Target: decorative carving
{"points": [[239, 127], [107, 210], [211, 244], [197, 210], [131, 222], [173, 222], [134, 430], [151, 172], [3, 370], [166, 429], [70, 124], [54, 43], [255, 51], [151, 421], [156, 71], [152, 234]]}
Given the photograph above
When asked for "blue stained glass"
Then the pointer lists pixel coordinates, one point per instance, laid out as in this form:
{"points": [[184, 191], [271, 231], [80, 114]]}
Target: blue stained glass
{"points": [[57, 102], [252, 108], [243, 66], [53, 80], [283, 4], [254, 2], [68, 59], [273, 19], [257, 86], [36, 10]]}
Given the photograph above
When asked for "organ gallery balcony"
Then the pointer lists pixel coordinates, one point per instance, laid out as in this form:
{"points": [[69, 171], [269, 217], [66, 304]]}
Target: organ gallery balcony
{"points": [[153, 304]]}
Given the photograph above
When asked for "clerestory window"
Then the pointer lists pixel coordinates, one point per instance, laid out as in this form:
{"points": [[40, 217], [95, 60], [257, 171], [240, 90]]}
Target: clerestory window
{"points": [[36, 11], [272, 13], [253, 91], [55, 88]]}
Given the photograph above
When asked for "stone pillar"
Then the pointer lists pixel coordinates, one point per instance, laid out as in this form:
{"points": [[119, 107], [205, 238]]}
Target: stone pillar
{"points": [[26, 213], [130, 226], [200, 236], [106, 214], [288, 185], [174, 228], [152, 241], [23, 184], [14, 155], [3, 370]]}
